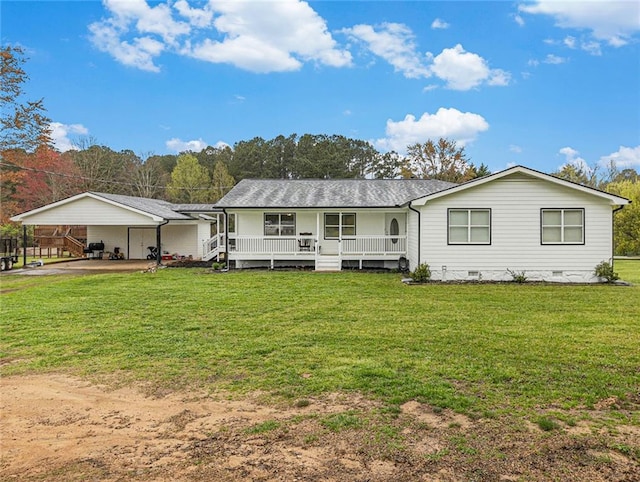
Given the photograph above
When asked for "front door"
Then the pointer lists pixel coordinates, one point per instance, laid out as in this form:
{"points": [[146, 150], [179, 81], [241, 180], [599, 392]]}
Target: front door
{"points": [[395, 225], [336, 226]]}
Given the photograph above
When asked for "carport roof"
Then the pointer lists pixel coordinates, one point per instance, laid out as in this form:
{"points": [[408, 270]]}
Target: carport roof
{"points": [[156, 208]]}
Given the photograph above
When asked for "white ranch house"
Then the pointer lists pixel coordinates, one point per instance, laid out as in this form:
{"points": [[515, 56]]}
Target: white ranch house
{"points": [[518, 219]]}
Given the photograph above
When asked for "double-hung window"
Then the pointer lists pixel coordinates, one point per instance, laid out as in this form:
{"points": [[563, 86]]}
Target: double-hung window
{"points": [[469, 226], [562, 226], [279, 224], [337, 225]]}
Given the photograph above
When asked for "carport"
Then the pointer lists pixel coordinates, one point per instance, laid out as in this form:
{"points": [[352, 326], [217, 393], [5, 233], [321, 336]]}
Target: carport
{"points": [[131, 224]]}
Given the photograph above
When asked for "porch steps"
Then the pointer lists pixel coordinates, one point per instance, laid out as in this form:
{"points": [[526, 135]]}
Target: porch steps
{"points": [[328, 263]]}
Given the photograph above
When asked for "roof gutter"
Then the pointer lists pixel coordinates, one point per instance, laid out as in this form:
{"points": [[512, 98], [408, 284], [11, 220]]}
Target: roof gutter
{"points": [[419, 229]]}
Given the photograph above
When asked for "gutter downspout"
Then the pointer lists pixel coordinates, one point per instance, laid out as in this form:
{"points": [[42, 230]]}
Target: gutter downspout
{"points": [[613, 234], [158, 243], [226, 238], [419, 229]]}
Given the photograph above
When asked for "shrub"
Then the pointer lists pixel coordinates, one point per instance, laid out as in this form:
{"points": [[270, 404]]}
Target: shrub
{"points": [[547, 424], [605, 271], [218, 266], [520, 277], [421, 274]]}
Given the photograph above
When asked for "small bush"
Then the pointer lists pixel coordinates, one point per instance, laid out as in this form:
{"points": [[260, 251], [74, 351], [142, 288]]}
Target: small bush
{"points": [[421, 274], [547, 424], [218, 266], [605, 271], [518, 277]]}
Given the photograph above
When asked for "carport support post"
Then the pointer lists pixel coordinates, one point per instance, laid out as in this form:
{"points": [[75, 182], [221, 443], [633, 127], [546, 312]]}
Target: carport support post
{"points": [[24, 245], [158, 240]]}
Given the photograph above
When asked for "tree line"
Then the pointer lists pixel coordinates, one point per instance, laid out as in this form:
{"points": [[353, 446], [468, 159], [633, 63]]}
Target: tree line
{"points": [[33, 173]]}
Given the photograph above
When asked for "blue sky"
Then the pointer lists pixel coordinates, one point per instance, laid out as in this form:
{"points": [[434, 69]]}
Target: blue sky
{"points": [[538, 83]]}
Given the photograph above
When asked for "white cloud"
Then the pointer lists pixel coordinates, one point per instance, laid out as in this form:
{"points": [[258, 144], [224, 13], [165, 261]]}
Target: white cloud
{"points": [[197, 17], [554, 59], [439, 24], [60, 135], [462, 127], [570, 41], [519, 20], [139, 54], [394, 43], [178, 145], [270, 36], [625, 157], [464, 70], [592, 47], [614, 22], [572, 157], [515, 148], [255, 36]]}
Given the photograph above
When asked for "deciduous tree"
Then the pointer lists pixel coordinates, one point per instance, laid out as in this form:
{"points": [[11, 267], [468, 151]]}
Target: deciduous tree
{"points": [[104, 170], [24, 124], [386, 166], [626, 222], [442, 160], [190, 182], [222, 181]]}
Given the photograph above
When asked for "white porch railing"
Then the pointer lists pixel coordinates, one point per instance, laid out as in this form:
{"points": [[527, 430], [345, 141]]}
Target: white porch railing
{"points": [[212, 247], [275, 245], [295, 246], [373, 245]]}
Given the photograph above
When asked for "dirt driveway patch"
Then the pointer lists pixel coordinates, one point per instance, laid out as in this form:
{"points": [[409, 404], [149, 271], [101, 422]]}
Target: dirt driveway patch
{"points": [[57, 427]]}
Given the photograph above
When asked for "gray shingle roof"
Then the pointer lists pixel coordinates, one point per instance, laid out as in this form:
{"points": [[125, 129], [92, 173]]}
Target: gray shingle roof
{"points": [[163, 209], [269, 193]]}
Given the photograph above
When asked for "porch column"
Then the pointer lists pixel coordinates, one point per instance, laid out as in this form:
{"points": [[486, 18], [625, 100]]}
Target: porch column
{"points": [[318, 233], [24, 245]]}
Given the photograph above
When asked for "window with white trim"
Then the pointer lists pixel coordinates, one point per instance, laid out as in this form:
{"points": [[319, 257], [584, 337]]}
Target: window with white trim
{"points": [[562, 226], [279, 224], [337, 225], [232, 224], [469, 226]]}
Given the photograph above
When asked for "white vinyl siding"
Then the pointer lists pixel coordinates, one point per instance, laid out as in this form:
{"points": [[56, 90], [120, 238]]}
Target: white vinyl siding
{"points": [[89, 211], [515, 203], [562, 226], [179, 238], [469, 226]]}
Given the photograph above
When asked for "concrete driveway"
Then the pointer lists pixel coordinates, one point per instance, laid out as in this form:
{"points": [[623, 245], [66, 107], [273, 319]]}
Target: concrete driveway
{"points": [[85, 266]]}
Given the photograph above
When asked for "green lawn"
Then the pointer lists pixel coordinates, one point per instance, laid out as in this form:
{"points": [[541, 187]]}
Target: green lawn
{"points": [[476, 348]]}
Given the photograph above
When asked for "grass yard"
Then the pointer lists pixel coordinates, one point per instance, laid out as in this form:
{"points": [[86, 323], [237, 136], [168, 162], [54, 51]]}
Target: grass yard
{"points": [[349, 376], [474, 348]]}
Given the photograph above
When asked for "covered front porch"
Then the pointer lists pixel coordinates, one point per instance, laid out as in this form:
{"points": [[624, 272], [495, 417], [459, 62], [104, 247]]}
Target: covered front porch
{"points": [[305, 250], [320, 239]]}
